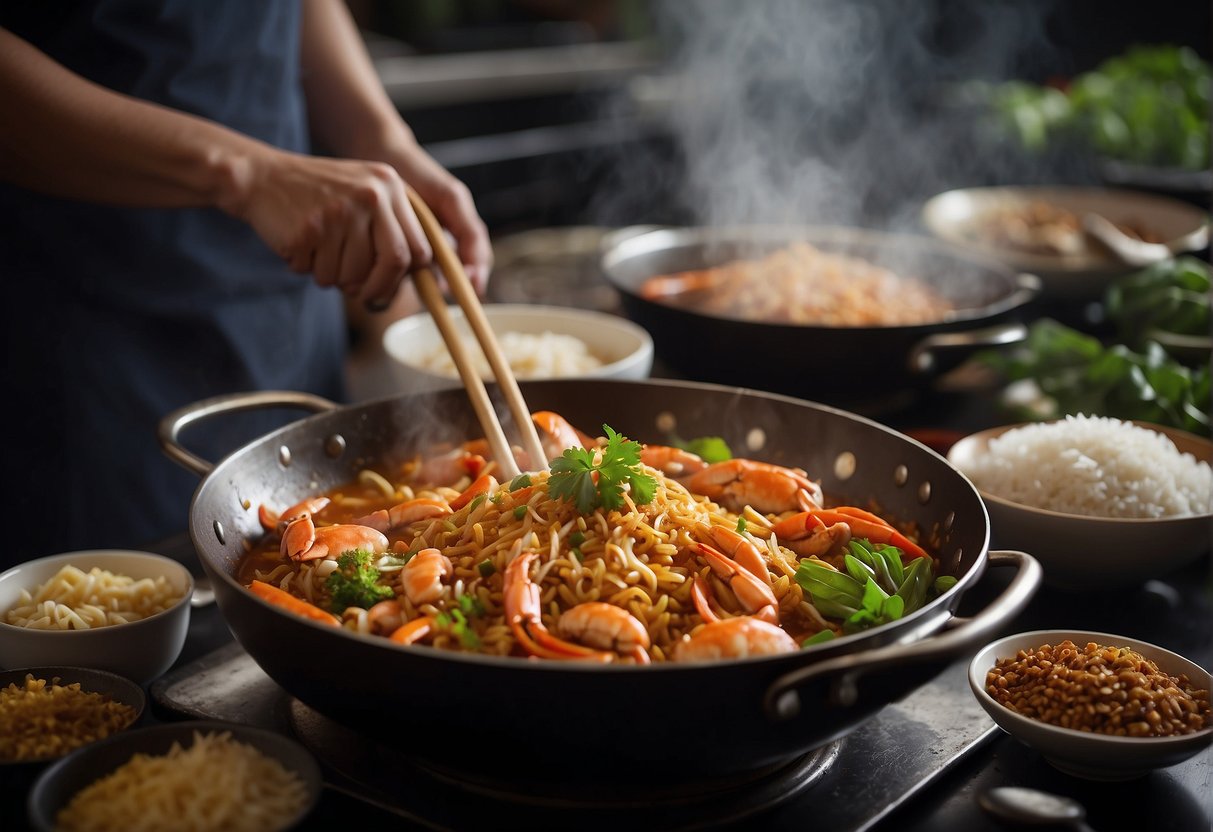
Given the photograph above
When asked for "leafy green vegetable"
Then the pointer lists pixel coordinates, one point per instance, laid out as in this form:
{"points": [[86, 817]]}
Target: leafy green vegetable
{"points": [[577, 477], [355, 582], [819, 638], [872, 591], [1173, 296], [708, 448], [456, 621], [1077, 374], [1149, 106]]}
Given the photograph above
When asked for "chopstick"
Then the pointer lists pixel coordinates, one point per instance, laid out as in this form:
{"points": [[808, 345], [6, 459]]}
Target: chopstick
{"points": [[465, 296]]}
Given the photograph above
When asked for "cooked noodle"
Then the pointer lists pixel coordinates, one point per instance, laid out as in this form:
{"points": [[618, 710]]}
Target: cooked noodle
{"points": [[77, 600]]}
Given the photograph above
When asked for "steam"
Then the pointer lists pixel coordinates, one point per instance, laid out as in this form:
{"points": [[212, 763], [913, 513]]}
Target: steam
{"points": [[824, 111]]}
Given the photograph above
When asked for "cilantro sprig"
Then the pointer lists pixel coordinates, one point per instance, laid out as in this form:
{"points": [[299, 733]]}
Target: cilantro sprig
{"points": [[596, 479]]}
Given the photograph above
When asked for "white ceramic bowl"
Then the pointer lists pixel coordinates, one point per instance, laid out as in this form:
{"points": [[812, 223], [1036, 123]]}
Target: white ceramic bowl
{"points": [[954, 216], [140, 650], [1082, 754], [625, 349], [1091, 553]]}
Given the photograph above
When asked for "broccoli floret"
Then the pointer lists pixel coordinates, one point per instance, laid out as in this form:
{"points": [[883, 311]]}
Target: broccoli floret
{"points": [[355, 582]]}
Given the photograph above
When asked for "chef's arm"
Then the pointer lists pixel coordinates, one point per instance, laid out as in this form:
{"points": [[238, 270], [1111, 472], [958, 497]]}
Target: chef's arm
{"points": [[346, 221], [351, 115]]}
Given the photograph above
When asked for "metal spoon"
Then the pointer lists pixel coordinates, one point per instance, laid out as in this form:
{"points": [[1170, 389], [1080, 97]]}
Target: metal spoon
{"points": [[1132, 251], [1037, 808], [203, 593]]}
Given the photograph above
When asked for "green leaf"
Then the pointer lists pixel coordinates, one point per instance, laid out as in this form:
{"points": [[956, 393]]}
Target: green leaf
{"points": [[943, 583], [857, 569], [574, 473], [819, 638], [710, 449]]}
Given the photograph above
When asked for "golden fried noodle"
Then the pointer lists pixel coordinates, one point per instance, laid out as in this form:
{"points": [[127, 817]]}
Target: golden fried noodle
{"points": [[40, 719], [627, 583], [217, 783], [77, 600]]}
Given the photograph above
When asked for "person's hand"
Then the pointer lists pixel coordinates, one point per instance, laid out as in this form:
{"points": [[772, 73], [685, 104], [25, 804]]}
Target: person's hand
{"points": [[452, 204], [347, 222]]}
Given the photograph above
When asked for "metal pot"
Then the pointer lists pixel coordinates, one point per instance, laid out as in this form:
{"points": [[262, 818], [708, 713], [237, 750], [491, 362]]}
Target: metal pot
{"points": [[555, 721], [864, 368]]}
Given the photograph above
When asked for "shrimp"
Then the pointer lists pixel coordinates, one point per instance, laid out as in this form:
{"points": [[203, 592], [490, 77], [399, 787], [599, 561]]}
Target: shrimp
{"points": [[673, 462], [754, 595], [766, 488], [606, 627], [859, 522], [402, 514], [303, 541], [808, 535], [733, 638], [736, 546], [421, 578], [520, 598], [277, 523]]}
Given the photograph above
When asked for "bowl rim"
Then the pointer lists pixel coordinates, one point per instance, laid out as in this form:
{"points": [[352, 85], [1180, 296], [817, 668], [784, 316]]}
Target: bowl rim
{"points": [[980, 664], [72, 674], [309, 772], [1061, 266], [984, 436], [66, 557], [643, 349]]}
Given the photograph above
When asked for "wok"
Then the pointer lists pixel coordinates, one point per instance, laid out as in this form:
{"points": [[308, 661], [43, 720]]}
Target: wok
{"points": [[864, 368], [545, 721]]}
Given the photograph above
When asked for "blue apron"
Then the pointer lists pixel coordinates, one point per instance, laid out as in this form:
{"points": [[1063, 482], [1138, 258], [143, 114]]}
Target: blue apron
{"points": [[116, 316]]}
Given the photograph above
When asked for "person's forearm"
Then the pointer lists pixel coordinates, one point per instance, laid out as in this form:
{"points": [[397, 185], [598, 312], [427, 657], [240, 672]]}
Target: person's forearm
{"points": [[63, 135], [349, 112]]}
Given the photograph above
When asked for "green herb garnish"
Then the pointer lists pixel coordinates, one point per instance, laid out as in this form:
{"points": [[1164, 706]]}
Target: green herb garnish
{"points": [[355, 582], [590, 484], [520, 481], [576, 538], [519, 512], [486, 568], [741, 525]]}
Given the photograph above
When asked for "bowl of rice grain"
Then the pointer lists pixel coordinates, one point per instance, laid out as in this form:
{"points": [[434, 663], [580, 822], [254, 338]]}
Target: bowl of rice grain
{"points": [[1098, 706], [539, 342], [1100, 502], [196, 776], [120, 611]]}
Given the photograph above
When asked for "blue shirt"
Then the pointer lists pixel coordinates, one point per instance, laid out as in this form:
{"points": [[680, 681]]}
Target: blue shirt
{"points": [[115, 316]]}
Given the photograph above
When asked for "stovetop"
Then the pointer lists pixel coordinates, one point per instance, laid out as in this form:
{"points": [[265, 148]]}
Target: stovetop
{"points": [[846, 786]]}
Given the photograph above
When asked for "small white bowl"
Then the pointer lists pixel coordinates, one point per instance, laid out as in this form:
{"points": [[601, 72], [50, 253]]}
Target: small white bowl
{"points": [[625, 349], [955, 216], [1091, 553], [1079, 753], [140, 650]]}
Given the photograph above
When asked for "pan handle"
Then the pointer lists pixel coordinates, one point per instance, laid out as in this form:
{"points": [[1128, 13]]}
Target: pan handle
{"points": [[172, 424], [782, 702], [922, 357]]}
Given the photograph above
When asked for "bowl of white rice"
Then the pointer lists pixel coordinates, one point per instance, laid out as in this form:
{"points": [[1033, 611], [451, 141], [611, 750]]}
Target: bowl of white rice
{"points": [[539, 342], [1099, 501]]}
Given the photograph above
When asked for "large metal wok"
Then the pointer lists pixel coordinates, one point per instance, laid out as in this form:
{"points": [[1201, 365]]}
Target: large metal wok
{"points": [[553, 721], [868, 368]]}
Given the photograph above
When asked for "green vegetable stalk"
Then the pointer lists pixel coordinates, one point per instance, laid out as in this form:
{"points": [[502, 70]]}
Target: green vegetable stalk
{"points": [[355, 582]]}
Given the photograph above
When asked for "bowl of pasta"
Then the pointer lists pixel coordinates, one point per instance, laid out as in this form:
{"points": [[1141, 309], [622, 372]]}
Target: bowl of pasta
{"points": [[124, 612]]}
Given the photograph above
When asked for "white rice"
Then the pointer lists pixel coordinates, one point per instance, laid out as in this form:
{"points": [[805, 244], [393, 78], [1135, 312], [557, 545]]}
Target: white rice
{"points": [[530, 355], [1097, 467]]}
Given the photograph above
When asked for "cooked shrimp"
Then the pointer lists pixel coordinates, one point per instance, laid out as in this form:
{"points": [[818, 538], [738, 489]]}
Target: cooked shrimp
{"points": [[606, 627], [402, 514], [303, 541], [766, 488], [733, 638], [421, 578]]}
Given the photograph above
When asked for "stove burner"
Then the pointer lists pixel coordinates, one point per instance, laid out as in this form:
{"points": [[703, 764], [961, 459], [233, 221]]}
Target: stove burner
{"points": [[444, 799]]}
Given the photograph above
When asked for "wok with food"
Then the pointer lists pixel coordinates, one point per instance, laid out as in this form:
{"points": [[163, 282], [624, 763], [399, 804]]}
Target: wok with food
{"points": [[369, 561], [840, 315]]}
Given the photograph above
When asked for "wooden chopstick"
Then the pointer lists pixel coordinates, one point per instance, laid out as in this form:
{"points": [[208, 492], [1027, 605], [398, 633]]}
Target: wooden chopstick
{"points": [[465, 296]]}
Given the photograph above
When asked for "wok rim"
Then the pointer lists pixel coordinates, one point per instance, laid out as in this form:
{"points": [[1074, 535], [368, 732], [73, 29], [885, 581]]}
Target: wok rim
{"points": [[1023, 286], [933, 615]]}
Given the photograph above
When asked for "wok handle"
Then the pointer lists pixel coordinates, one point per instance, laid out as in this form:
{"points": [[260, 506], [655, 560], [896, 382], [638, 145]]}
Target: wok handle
{"points": [[172, 424], [782, 702], [922, 357]]}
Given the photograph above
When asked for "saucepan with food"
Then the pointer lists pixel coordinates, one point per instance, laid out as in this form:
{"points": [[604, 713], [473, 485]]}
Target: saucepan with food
{"points": [[840, 315], [701, 582]]}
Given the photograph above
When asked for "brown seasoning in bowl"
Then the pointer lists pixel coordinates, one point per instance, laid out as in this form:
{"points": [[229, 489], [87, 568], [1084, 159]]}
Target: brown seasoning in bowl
{"points": [[41, 719], [1101, 690]]}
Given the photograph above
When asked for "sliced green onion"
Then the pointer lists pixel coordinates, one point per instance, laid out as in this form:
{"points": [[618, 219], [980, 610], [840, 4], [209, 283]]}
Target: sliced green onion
{"points": [[520, 481], [741, 525], [519, 512], [576, 538], [577, 554], [486, 568], [476, 501]]}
